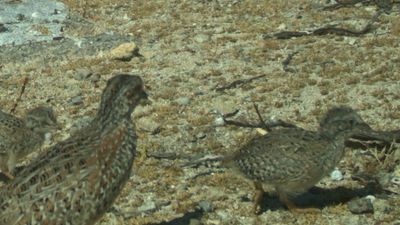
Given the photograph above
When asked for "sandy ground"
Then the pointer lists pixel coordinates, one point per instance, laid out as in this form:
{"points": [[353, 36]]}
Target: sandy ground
{"points": [[192, 49]]}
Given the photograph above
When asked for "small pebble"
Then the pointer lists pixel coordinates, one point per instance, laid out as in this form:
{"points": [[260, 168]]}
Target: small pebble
{"points": [[77, 100], [201, 38], [223, 215], [82, 73], [360, 205], [336, 175], [201, 135], [148, 125], [147, 206], [183, 101], [219, 30], [47, 138], [371, 198], [261, 131], [219, 121], [125, 52]]}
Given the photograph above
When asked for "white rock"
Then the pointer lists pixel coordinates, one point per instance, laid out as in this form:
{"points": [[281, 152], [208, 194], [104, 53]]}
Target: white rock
{"points": [[371, 198], [336, 175], [219, 121], [125, 51], [183, 101], [201, 38]]}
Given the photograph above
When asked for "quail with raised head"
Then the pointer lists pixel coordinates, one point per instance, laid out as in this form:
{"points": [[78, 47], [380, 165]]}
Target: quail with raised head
{"points": [[78, 179]]}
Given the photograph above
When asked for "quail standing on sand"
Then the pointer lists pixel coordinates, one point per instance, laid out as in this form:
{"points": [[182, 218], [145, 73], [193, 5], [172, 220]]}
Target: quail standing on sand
{"points": [[20, 137], [78, 179], [292, 159]]}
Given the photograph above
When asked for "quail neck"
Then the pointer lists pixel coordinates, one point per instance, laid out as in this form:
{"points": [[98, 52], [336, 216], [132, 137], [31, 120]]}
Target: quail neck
{"points": [[122, 94]]}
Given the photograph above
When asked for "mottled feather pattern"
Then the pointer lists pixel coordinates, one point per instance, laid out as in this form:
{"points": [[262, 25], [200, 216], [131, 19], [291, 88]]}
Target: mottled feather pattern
{"points": [[293, 159], [77, 180], [19, 137]]}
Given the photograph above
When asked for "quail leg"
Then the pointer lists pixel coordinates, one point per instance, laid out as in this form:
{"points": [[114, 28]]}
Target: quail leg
{"points": [[293, 208], [258, 197]]}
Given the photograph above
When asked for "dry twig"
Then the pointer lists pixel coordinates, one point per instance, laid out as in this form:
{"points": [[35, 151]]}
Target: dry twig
{"points": [[236, 83], [25, 82]]}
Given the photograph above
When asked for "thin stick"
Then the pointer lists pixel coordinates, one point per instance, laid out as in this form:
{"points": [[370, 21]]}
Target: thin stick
{"points": [[25, 82], [262, 122]]}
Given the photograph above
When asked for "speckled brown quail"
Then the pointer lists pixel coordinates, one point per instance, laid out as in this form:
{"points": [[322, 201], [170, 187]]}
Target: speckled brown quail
{"points": [[78, 179], [292, 159], [19, 137]]}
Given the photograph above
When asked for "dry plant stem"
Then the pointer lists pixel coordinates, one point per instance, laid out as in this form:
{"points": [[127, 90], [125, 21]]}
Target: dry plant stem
{"points": [[236, 83], [24, 83], [262, 122], [327, 30]]}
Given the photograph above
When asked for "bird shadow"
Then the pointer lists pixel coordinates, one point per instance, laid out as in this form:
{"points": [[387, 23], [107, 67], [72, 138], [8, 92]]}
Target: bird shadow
{"points": [[184, 220], [319, 197]]}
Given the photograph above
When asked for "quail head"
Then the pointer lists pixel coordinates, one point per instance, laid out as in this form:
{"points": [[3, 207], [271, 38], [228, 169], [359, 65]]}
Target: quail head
{"points": [[292, 159], [41, 120], [78, 179], [20, 137]]}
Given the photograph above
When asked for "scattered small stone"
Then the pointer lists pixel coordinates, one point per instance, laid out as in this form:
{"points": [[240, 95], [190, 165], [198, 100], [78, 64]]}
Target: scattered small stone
{"points": [[261, 131], [201, 135], [183, 101], [82, 73], [336, 175], [206, 206], [125, 52], [148, 125], [201, 38], [219, 121], [219, 30], [147, 206], [360, 205], [223, 215], [47, 137], [371, 198], [77, 100]]}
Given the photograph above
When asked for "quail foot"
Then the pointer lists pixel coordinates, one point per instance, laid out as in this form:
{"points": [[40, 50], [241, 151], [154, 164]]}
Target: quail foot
{"points": [[78, 179], [292, 159], [20, 137]]}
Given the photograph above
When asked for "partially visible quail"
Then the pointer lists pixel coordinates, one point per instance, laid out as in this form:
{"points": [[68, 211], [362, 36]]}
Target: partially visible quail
{"points": [[292, 159], [78, 179], [19, 137]]}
